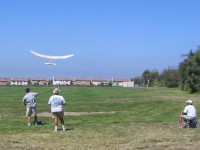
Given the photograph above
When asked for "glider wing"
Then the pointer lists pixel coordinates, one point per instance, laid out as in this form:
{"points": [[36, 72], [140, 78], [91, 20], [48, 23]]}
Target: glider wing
{"points": [[51, 57]]}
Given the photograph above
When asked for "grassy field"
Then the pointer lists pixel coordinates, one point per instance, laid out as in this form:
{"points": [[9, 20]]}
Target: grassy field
{"points": [[141, 118]]}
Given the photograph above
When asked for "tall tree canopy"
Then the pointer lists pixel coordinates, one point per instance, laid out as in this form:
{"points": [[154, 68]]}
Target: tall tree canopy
{"points": [[170, 77], [146, 75], [190, 72], [150, 77]]}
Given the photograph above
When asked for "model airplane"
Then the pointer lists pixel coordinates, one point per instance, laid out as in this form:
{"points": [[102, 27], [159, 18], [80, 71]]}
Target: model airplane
{"points": [[51, 57]]}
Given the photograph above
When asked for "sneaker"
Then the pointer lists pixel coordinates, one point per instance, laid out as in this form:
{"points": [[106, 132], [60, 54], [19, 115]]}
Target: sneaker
{"points": [[29, 125], [63, 127], [55, 129]]}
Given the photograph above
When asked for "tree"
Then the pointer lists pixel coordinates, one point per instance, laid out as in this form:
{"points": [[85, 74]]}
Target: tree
{"points": [[154, 74], [146, 75], [183, 72], [190, 72], [138, 81], [169, 77]]}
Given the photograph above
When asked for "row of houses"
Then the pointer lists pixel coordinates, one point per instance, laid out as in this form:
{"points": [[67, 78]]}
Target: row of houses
{"points": [[66, 82]]}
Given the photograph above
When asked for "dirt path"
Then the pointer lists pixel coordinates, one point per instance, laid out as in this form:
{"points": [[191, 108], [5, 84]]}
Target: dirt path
{"points": [[47, 114]]}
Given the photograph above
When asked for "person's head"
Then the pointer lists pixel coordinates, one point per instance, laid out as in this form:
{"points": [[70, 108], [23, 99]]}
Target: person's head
{"points": [[27, 90], [56, 91], [189, 102]]}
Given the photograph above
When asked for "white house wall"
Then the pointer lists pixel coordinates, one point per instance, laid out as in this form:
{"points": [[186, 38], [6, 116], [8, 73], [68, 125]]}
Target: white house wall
{"points": [[95, 83], [131, 84], [61, 83], [124, 84], [18, 83]]}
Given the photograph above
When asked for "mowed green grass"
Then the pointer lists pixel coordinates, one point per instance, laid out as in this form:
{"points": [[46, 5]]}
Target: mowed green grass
{"points": [[142, 118]]}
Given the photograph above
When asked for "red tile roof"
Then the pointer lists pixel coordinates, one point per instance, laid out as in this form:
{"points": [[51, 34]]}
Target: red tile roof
{"points": [[120, 80], [100, 80], [82, 79], [20, 79], [38, 79], [63, 79]]}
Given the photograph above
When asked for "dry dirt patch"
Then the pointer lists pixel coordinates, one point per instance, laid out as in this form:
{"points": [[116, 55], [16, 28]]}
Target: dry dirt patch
{"points": [[47, 114]]}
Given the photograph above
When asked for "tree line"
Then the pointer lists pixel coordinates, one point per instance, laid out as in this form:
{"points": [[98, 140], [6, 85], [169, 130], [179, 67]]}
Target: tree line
{"points": [[186, 76]]}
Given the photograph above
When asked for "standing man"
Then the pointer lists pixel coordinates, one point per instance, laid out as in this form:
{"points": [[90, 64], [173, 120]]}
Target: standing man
{"points": [[189, 116], [30, 103], [56, 102]]}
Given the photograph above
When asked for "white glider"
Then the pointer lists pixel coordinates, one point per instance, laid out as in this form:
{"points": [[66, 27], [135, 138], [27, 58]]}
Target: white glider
{"points": [[51, 57]]}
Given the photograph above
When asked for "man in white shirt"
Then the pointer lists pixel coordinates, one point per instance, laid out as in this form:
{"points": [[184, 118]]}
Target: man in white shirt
{"points": [[30, 103], [56, 102], [188, 114]]}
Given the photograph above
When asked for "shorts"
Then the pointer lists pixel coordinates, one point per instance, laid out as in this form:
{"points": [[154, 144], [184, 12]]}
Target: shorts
{"points": [[31, 111], [58, 114]]}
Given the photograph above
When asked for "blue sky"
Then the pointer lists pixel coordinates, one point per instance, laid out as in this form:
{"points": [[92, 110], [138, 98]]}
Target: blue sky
{"points": [[109, 38]]}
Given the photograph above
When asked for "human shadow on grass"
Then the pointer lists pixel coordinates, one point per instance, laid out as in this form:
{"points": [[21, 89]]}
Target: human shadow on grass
{"points": [[66, 129], [39, 122]]}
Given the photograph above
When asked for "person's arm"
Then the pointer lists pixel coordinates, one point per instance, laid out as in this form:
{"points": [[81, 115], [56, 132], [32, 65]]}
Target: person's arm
{"points": [[49, 102], [64, 102], [183, 113], [24, 102], [36, 94]]}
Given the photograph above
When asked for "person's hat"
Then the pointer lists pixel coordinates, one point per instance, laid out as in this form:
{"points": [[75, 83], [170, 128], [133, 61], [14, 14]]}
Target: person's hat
{"points": [[189, 101], [56, 91]]}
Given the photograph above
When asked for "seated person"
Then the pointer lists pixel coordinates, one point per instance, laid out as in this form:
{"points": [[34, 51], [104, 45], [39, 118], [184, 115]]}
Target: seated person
{"points": [[189, 116]]}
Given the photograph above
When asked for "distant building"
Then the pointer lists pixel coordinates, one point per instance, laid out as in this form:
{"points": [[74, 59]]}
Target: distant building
{"points": [[122, 82], [100, 82], [39, 81], [19, 81], [62, 81], [117, 82], [82, 82], [4, 81]]}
